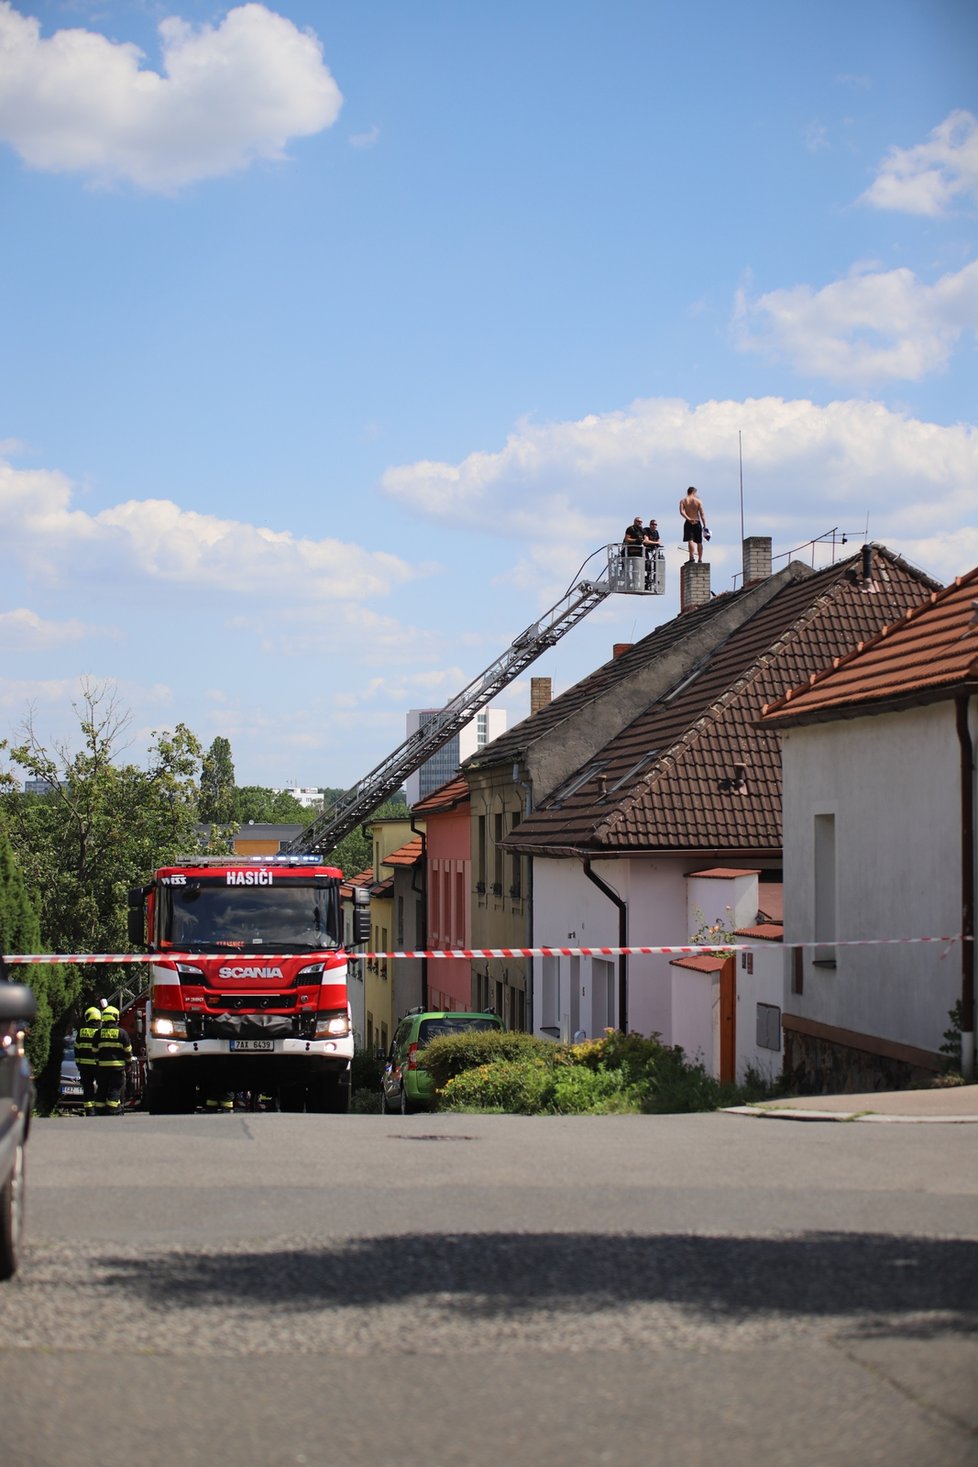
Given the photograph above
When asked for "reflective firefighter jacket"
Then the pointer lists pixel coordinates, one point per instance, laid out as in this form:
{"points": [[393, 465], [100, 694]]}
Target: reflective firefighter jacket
{"points": [[86, 1040], [113, 1046]]}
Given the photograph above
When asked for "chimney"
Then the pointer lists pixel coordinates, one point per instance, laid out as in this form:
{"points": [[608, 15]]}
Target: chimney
{"points": [[619, 648], [694, 585], [541, 693], [757, 558]]}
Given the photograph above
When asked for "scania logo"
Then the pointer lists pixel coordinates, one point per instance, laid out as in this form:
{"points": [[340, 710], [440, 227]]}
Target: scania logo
{"points": [[249, 972]]}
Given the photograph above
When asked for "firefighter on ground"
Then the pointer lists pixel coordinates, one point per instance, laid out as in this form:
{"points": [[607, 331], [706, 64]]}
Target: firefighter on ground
{"points": [[114, 1051], [86, 1056]]}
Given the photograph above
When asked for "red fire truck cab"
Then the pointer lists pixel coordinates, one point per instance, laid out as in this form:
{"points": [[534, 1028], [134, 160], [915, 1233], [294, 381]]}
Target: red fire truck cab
{"points": [[248, 985]]}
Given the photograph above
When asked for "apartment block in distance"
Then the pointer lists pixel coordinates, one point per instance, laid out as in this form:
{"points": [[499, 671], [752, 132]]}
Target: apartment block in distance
{"points": [[447, 761]]}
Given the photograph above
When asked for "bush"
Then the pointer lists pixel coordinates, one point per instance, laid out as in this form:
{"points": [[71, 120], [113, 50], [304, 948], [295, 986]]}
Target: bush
{"points": [[453, 1054], [365, 1071], [618, 1073], [518, 1086], [577, 1090]]}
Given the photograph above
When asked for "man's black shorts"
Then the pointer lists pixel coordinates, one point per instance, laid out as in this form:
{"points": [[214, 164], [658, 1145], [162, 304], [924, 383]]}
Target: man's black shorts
{"points": [[692, 532]]}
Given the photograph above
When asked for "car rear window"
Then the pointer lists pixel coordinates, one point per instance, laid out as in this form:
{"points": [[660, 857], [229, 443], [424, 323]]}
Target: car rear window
{"points": [[437, 1028]]}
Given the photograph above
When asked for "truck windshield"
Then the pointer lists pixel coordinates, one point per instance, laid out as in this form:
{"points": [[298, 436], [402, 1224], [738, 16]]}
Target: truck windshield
{"points": [[285, 917]]}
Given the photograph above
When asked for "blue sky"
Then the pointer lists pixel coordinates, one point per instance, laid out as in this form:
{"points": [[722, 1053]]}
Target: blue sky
{"points": [[335, 337]]}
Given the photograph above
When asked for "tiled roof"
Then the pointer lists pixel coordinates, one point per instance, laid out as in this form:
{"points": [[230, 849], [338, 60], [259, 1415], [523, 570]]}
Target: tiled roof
{"points": [[668, 782], [700, 962], [510, 745], [766, 931], [448, 797], [364, 878], [931, 652], [407, 855]]}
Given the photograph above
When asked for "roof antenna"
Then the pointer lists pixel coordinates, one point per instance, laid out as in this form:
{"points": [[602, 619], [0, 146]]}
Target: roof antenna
{"points": [[740, 443]]}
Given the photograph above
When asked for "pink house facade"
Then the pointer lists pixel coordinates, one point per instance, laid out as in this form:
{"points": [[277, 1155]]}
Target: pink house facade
{"points": [[449, 880]]}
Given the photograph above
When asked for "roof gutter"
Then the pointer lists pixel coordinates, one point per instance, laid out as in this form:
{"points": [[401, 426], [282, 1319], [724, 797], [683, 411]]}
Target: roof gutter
{"points": [[622, 942], [966, 744], [423, 893]]}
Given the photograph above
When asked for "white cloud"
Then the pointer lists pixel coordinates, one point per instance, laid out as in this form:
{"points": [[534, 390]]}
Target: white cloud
{"points": [[155, 540], [868, 328], [929, 178], [365, 139], [22, 630], [558, 487], [227, 95]]}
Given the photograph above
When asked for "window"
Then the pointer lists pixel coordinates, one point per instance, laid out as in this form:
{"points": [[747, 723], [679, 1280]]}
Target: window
{"points": [[458, 915], [515, 872], [768, 1026], [481, 855], [824, 874], [497, 855]]}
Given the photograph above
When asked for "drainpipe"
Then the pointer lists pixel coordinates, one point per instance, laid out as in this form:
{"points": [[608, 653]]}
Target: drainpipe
{"points": [[967, 889], [423, 934], [622, 942], [526, 786]]}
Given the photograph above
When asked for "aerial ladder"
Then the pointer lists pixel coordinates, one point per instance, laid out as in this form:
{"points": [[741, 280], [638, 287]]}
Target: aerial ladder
{"points": [[635, 575]]}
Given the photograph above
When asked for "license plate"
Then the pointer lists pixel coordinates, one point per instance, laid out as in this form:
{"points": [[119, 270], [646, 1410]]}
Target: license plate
{"points": [[251, 1046], [71, 1090]]}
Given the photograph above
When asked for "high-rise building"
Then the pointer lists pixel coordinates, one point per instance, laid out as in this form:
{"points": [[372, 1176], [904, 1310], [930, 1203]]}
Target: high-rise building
{"points": [[445, 763]]}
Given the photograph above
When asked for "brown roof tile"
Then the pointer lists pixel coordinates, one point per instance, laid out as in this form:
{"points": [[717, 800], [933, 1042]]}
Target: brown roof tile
{"points": [[510, 745], [931, 652], [767, 931], [407, 855], [667, 782], [447, 797]]}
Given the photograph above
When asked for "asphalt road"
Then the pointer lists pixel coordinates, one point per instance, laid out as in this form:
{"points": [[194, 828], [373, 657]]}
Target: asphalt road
{"points": [[272, 1290]]}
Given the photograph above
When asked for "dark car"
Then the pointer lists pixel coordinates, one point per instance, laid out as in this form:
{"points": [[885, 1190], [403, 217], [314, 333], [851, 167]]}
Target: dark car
{"points": [[405, 1086], [17, 1008], [71, 1096]]}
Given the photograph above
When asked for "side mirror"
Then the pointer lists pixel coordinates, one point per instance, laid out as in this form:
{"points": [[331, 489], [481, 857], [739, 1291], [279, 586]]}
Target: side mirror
{"points": [[17, 1003]]}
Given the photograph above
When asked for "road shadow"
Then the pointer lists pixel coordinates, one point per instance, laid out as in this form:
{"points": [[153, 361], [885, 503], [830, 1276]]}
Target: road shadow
{"points": [[880, 1277]]}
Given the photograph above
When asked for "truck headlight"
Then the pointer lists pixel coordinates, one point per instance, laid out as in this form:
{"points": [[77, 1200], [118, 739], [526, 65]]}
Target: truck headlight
{"points": [[333, 1025], [163, 1026]]}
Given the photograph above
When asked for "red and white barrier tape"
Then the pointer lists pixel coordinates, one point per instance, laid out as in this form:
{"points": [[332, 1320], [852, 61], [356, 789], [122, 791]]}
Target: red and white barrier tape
{"points": [[482, 952]]}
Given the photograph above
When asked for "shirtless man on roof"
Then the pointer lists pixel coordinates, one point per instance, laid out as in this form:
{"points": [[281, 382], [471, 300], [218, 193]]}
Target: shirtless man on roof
{"points": [[694, 521]]}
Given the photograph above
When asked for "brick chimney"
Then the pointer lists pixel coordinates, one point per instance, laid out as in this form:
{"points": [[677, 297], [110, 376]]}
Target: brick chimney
{"points": [[694, 585], [541, 693], [757, 558], [619, 648]]}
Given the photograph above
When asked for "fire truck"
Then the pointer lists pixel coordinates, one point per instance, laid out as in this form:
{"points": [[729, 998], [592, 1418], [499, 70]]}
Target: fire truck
{"points": [[248, 982]]}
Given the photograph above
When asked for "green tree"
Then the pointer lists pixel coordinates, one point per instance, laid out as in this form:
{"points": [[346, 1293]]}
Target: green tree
{"points": [[103, 828], [20, 932], [217, 789], [264, 806]]}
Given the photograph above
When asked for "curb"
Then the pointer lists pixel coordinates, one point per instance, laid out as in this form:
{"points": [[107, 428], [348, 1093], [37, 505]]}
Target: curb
{"points": [[783, 1113]]}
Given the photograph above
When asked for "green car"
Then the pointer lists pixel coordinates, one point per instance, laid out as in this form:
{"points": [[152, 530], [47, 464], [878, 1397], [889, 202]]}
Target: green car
{"points": [[404, 1085]]}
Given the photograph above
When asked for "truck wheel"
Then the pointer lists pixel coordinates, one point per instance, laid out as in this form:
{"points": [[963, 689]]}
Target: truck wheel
{"points": [[12, 1215], [329, 1096], [164, 1098], [292, 1098]]}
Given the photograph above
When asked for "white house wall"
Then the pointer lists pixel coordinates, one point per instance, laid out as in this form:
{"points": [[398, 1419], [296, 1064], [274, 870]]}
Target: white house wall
{"points": [[570, 911], [760, 980], [892, 784]]}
